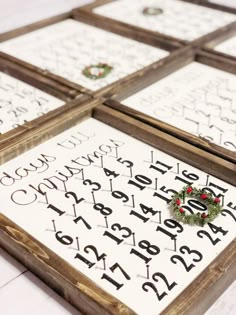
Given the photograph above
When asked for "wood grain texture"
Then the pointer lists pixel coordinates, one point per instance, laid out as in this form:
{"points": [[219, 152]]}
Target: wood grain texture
{"points": [[222, 36], [214, 35], [186, 56], [211, 5], [210, 45], [217, 61]]}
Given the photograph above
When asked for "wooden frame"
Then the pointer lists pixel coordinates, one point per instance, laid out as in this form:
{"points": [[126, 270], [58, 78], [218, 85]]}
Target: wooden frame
{"points": [[209, 46], [33, 132], [108, 90], [85, 13], [74, 286], [38, 80], [212, 5], [187, 57], [223, 34]]}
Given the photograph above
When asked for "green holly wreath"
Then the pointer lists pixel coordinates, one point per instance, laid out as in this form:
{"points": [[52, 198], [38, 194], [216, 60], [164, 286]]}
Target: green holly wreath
{"points": [[98, 71], [152, 11], [213, 206]]}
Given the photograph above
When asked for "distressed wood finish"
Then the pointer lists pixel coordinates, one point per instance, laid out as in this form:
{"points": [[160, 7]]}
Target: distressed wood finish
{"points": [[86, 14], [74, 286], [188, 56], [212, 5], [90, 299], [209, 47]]}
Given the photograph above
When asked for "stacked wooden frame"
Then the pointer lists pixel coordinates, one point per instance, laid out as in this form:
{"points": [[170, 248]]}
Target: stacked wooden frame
{"points": [[105, 105]]}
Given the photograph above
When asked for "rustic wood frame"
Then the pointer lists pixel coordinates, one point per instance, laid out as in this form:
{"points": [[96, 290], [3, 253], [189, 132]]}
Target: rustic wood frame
{"points": [[214, 42], [212, 5], [70, 283], [188, 56], [108, 90], [26, 136], [86, 14]]}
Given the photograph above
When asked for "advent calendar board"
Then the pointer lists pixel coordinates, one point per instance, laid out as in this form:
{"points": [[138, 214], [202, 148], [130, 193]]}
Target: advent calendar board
{"points": [[89, 211], [176, 20], [90, 59], [195, 102], [20, 103], [197, 98]]}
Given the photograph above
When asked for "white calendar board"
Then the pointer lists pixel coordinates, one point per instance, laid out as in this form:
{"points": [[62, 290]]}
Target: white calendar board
{"points": [[20, 102], [67, 47], [197, 98], [99, 199], [179, 19], [228, 47]]}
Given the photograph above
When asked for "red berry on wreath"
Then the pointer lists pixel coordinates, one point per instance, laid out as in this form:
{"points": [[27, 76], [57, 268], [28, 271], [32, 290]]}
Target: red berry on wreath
{"points": [[189, 190], [181, 210], [178, 202], [204, 215], [204, 196], [217, 200]]}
